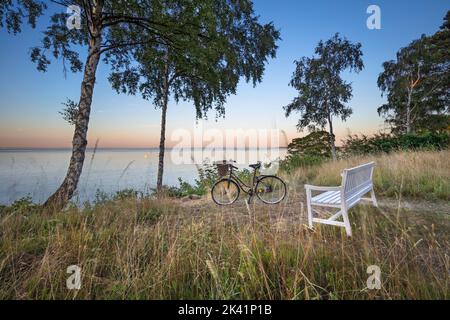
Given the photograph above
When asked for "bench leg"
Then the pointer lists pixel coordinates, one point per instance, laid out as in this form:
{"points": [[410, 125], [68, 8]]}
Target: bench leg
{"points": [[348, 228], [308, 205], [374, 199]]}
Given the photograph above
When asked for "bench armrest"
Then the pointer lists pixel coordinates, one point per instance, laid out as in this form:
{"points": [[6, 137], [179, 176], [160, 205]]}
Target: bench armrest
{"points": [[317, 188]]}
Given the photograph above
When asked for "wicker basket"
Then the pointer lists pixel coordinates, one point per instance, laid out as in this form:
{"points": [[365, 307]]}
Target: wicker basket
{"points": [[223, 169]]}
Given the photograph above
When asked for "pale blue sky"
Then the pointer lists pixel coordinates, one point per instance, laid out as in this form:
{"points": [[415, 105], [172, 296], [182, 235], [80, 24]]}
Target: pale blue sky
{"points": [[30, 100]]}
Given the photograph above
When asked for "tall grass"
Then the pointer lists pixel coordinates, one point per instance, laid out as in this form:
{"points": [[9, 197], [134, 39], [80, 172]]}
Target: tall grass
{"points": [[130, 248], [421, 174]]}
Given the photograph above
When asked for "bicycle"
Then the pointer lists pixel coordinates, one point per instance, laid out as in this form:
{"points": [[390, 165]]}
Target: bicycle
{"points": [[269, 189]]}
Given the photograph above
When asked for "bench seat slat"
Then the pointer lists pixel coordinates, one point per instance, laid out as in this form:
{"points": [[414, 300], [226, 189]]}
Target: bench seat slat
{"points": [[329, 197]]}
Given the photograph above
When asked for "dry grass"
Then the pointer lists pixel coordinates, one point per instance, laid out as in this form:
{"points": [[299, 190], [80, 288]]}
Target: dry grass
{"points": [[423, 175], [148, 249]]}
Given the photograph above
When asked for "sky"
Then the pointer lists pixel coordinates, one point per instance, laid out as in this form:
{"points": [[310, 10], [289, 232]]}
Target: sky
{"points": [[30, 101]]}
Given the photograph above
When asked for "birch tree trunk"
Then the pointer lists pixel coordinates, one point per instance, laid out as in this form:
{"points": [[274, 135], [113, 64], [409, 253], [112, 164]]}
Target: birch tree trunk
{"points": [[59, 199], [332, 142], [332, 139], [408, 112], [162, 139]]}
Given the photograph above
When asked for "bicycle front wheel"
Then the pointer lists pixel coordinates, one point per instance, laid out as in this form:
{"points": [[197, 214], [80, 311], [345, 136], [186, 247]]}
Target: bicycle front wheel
{"points": [[271, 189], [225, 192]]}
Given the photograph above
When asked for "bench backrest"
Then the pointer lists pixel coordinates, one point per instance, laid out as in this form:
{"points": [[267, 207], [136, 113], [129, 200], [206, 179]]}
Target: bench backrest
{"points": [[357, 181]]}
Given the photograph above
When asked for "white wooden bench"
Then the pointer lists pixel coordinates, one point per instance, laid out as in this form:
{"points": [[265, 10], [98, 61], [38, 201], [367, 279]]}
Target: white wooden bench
{"points": [[356, 182]]}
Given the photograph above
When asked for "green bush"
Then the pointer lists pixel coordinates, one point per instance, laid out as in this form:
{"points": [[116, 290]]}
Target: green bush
{"points": [[23, 205], [185, 188], [386, 143], [307, 151], [125, 194], [208, 175], [315, 144]]}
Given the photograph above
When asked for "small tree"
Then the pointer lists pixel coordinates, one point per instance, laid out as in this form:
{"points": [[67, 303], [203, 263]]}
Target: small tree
{"points": [[417, 84], [205, 76], [322, 91]]}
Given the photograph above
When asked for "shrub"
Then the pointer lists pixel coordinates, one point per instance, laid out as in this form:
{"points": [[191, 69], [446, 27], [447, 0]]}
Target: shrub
{"points": [[125, 194], [386, 143], [307, 151], [315, 144], [23, 205], [208, 175]]}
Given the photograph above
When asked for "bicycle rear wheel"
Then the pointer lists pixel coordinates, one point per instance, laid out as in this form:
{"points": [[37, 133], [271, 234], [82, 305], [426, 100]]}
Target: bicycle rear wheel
{"points": [[271, 189], [225, 192]]}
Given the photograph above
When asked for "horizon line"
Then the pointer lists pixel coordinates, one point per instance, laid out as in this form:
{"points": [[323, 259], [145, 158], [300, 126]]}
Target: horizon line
{"points": [[133, 148]]}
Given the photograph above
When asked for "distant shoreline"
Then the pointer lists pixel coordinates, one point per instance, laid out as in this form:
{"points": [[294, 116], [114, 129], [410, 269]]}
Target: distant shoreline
{"points": [[127, 149]]}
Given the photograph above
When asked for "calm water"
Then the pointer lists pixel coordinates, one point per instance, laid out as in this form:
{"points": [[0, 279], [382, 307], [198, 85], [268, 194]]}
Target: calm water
{"points": [[37, 173]]}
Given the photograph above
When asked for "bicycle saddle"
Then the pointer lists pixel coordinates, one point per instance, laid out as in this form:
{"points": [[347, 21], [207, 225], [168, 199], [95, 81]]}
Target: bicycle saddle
{"points": [[255, 166]]}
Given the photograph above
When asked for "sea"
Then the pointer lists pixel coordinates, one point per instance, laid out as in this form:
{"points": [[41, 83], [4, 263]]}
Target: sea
{"points": [[37, 173]]}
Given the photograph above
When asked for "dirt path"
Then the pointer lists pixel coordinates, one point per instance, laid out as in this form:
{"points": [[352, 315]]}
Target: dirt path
{"points": [[295, 203], [438, 207]]}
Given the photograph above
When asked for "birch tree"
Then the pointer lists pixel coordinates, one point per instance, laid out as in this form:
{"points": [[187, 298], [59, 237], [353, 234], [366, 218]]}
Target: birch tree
{"points": [[322, 93], [203, 75]]}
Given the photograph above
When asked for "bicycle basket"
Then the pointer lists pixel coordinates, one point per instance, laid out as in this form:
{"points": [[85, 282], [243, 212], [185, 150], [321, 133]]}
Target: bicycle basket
{"points": [[222, 169]]}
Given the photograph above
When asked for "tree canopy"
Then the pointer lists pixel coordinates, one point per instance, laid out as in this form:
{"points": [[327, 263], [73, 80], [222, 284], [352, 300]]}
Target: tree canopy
{"points": [[417, 84], [203, 74]]}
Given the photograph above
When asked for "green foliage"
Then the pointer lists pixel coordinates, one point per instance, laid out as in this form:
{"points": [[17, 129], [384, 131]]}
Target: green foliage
{"points": [[314, 144], [101, 197], [125, 194], [361, 145], [12, 13], [207, 176], [70, 111], [310, 150], [417, 84], [237, 46], [23, 205], [186, 189]]}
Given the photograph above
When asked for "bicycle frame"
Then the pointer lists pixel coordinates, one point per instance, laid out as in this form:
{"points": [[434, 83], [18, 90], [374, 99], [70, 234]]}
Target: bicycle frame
{"points": [[250, 189]]}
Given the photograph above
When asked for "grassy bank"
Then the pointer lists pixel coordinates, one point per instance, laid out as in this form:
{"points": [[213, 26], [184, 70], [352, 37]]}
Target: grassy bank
{"points": [[132, 248]]}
